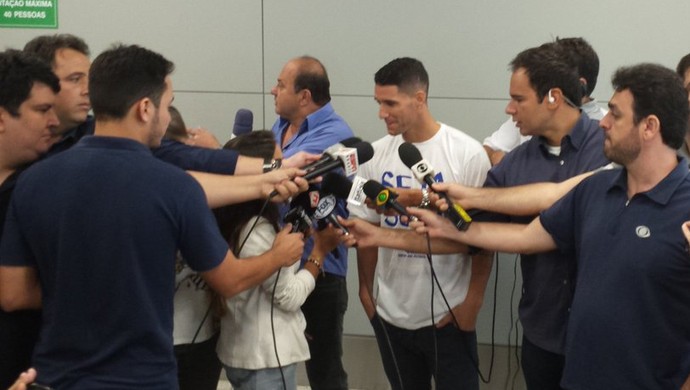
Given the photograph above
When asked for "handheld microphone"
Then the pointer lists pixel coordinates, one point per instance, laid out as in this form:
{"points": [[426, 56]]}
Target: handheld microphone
{"points": [[383, 197], [423, 171], [329, 154], [298, 215], [325, 212], [244, 120], [348, 159], [343, 188]]}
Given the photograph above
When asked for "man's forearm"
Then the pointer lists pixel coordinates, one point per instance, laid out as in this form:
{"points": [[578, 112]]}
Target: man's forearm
{"points": [[234, 276], [410, 241], [222, 190], [249, 165], [366, 268], [19, 288], [524, 200], [481, 271]]}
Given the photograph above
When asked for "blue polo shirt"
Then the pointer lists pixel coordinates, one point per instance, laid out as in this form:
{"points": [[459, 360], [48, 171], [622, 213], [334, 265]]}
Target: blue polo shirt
{"points": [[102, 223], [630, 320], [548, 279], [320, 130]]}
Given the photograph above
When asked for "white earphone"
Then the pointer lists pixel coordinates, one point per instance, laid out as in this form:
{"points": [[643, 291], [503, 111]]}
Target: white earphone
{"points": [[551, 98]]}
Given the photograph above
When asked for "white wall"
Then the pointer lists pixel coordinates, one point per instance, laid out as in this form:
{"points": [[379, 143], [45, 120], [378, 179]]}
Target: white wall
{"points": [[228, 54]]}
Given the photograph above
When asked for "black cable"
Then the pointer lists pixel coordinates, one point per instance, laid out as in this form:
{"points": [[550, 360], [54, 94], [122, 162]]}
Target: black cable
{"points": [[474, 361], [273, 331]]}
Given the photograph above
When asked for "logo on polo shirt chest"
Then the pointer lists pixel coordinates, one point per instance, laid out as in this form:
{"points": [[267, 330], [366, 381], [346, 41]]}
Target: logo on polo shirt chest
{"points": [[643, 231]]}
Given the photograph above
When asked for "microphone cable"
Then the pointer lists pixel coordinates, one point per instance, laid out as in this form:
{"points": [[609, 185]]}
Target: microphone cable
{"points": [[275, 284], [474, 361]]}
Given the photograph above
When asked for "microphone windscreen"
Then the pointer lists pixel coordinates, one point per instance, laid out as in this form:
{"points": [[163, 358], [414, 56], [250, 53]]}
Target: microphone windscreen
{"points": [[364, 151], [337, 185], [372, 188], [409, 154], [350, 142], [244, 121]]}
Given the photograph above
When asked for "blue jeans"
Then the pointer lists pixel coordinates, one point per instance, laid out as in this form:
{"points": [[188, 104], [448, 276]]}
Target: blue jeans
{"points": [[542, 369], [263, 379], [412, 357], [324, 311]]}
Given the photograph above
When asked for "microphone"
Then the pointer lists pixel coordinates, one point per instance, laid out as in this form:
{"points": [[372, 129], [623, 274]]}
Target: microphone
{"points": [[348, 159], [329, 154], [298, 215], [244, 120], [324, 212], [422, 170], [343, 188], [334, 186], [383, 197]]}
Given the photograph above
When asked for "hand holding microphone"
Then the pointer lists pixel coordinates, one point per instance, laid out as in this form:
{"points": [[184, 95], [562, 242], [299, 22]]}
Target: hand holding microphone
{"points": [[346, 158], [424, 172], [383, 197]]}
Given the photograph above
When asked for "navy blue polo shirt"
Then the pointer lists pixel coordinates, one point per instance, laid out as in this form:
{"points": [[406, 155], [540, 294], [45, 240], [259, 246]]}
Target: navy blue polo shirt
{"points": [[102, 223], [629, 325], [183, 156], [548, 278]]}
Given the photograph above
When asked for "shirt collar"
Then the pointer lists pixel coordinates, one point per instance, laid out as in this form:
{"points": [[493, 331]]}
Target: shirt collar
{"points": [[577, 134], [312, 120], [664, 190]]}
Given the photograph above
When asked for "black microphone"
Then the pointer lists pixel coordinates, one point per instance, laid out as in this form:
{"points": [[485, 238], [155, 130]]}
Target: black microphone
{"points": [[424, 172], [325, 211], [383, 197], [299, 213], [244, 120], [343, 188], [328, 154], [348, 159], [333, 186]]}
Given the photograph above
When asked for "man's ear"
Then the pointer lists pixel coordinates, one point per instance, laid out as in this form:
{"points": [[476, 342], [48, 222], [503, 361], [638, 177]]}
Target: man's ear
{"points": [[144, 110], [651, 127]]}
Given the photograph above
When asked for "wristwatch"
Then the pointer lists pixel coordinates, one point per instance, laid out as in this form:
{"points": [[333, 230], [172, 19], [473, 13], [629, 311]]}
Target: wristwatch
{"points": [[271, 164], [425, 199]]}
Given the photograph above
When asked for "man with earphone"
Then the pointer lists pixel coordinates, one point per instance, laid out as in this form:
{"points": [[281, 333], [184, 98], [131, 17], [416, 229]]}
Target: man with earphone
{"points": [[565, 142], [508, 136]]}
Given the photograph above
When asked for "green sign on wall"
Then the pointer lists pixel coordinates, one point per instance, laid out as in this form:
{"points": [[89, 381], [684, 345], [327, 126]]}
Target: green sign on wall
{"points": [[28, 13]]}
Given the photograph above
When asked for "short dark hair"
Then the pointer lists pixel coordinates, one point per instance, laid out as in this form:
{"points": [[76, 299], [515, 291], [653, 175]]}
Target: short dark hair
{"points": [[311, 75], [19, 72], [408, 74], [548, 66], [683, 66], [233, 218], [45, 46], [122, 75], [656, 91], [585, 58]]}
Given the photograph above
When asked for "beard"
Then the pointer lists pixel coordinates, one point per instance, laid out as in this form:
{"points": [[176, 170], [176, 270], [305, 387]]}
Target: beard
{"points": [[626, 151]]}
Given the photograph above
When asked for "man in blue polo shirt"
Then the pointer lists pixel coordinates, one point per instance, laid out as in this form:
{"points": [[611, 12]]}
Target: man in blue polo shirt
{"points": [[308, 123], [628, 323], [92, 233]]}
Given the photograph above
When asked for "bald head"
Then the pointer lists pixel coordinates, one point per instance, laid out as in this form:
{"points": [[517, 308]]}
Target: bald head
{"points": [[312, 75]]}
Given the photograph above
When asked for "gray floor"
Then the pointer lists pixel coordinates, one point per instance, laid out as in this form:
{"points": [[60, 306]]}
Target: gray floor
{"points": [[363, 365]]}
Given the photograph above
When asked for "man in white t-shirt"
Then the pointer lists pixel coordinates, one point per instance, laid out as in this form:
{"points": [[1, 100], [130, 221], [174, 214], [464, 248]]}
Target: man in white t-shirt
{"points": [[419, 341], [508, 136]]}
